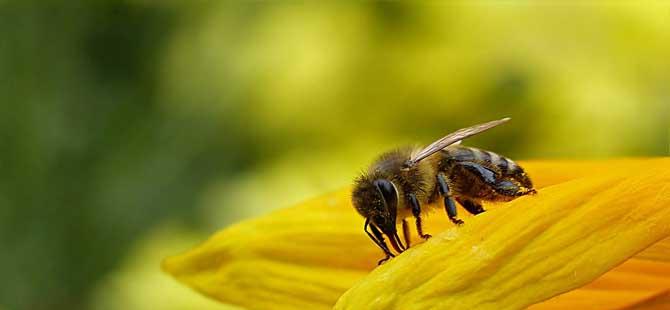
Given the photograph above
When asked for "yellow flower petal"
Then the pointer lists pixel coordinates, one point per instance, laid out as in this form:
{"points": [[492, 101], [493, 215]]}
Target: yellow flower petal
{"points": [[660, 251], [307, 256], [657, 302], [631, 283], [533, 249], [642, 281]]}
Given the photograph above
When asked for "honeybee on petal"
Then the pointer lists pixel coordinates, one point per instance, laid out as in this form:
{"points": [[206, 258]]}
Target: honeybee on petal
{"points": [[399, 182]]}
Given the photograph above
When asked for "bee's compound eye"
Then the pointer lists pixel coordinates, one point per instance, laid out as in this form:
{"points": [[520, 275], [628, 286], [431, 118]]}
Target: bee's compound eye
{"points": [[388, 192]]}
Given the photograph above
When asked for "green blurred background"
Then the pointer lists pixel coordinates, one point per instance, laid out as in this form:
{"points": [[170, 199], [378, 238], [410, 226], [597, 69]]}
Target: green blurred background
{"points": [[130, 130]]}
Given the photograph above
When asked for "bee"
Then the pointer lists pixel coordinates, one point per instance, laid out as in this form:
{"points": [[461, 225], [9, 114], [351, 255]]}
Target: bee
{"points": [[399, 182]]}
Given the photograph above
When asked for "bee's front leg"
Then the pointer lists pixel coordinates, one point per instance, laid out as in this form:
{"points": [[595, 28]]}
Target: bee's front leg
{"points": [[449, 204], [378, 238], [416, 211]]}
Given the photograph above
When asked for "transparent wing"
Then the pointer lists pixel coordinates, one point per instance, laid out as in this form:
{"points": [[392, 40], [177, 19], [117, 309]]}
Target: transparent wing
{"points": [[452, 138]]}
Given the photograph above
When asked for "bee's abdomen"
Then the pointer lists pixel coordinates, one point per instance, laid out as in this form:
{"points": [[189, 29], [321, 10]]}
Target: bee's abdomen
{"points": [[503, 165]]}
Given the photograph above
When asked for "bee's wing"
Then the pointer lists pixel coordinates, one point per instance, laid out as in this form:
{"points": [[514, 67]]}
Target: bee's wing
{"points": [[453, 138]]}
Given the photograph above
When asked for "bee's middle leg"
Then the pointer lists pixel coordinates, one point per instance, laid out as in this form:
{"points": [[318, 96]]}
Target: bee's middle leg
{"points": [[449, 204], [416, 211], [405, 232]]}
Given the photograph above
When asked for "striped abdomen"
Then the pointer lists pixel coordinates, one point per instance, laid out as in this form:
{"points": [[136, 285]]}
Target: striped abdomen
{"points": [[491, 160], [481, 174]]}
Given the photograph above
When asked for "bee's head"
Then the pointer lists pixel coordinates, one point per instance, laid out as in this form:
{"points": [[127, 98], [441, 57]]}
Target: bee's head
{"points": [[377, 200]]}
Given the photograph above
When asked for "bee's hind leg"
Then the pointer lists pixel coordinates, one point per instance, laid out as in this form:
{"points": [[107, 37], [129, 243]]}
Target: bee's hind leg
{"points": [[472, 207], [449, 204], [501, 186], [378, 238]]}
